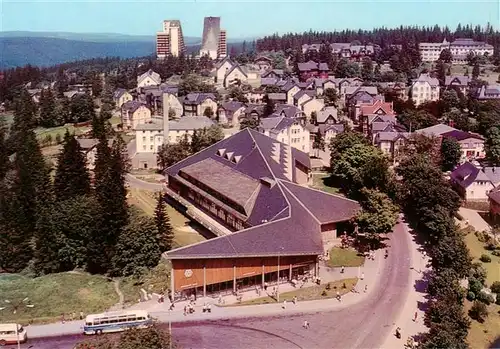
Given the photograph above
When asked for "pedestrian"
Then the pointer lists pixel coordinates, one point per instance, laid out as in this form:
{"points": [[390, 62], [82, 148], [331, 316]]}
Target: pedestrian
{"points": [[398, 332], [362, 276], [62, 318], [284, 304], [339, 298], [73, 316], [185, 310], [306, 324], [171, 306], [415, 317], [265, 286], [295, 300], [342, 270], [220, 299], [209, 307], [81, 315], [366, 288]]}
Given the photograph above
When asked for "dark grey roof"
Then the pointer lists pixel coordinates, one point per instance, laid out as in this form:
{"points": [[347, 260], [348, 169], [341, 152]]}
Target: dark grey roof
{"points": [[325, 113], [119, 92], [285, 218], [337, 128], [290, 111], [268, 81], [436, 130], [466, 174], [132, 106], [459, 80], [493, 174], [277, 123], [461, 135], [197, 98], [232, 106], [301, 93], [390, 136]]}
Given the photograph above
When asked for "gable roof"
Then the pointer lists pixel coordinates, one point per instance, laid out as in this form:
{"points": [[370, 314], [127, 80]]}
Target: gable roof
{"points": [[151, 74], [466, 174], [132, 106], [427, 78], [232, 106], [435, 130], [325, 113], [290, 111], [460, 80], [384, 107], [285, 217], [461, 135], [276, 123], [119, 92], [198, 98]]}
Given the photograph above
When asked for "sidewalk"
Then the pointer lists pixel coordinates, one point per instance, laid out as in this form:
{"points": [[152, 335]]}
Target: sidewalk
{"points": [[416, 301], [160, 311]]}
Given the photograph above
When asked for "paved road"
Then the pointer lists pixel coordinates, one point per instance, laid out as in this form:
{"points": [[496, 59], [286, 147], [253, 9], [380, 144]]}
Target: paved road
{"points": [[363, 325], [139, 184]]}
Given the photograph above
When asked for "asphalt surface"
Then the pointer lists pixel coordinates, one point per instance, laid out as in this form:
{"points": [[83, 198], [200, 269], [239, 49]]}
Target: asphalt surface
{"points": [[363, 325]]}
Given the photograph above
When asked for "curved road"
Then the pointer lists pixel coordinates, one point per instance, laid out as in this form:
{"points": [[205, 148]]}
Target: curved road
{"points": [[362, 325]]}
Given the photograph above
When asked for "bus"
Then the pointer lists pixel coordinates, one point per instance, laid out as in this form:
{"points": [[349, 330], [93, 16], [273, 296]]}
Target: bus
{"points": [[12, 333], [116, 321]]}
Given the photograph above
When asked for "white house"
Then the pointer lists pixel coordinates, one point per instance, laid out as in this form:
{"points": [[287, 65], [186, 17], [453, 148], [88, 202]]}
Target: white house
{"points": [[471, 182], [134, 113], [312, 105], [425, 89], [174, 104], [120, 97], [149, 78], [195, 104], [286, 130]]}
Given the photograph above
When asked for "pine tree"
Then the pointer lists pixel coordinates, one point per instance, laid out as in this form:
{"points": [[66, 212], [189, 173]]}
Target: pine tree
{"points": [[162, 220], [195, 142], [24, 120], [475, 71], [98, 126], [121, 146], [48, 117], [72, 178], [48, 241], [4, 149]]}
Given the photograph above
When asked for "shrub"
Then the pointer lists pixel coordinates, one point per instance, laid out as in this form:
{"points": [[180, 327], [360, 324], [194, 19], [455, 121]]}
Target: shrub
{"points": [[479, 311], [471, 296], [480, 236], [495, 287], [484, 297], [496, 253], [478, 272], [324, 294], [485, 258], [498, 299], [475, 286], [491, 246]]}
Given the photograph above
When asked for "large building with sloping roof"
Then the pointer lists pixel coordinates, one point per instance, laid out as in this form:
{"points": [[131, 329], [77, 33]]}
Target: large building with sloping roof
{"points": [[256, 187]]}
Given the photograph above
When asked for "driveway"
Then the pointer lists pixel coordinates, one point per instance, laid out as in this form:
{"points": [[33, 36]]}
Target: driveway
{"points": [[363, 323]]}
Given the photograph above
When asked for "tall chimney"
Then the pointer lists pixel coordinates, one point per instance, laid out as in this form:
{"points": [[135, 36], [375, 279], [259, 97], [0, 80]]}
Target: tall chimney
{"points": [[166, 108]]}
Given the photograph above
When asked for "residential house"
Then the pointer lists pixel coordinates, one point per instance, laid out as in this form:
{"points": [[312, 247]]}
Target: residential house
{"points": [[88, 147], [149, 78], [277, 98], [312, 69], [303, 96], [329, 131], [290, 131], [291, 88], [378, 110], [398, 89], [357, 96], [347, 85], [289, 111], [391, 143], [425, 89], [176, 109], [457, 82], [134, 113], [195, 104], [322, 84], [264, 63], [312, 105], [471, 144], [222, 68], [274, 73], [121, 96], [490, 92], [255, 96], [328, 115], [254, 111], [231, 112], [471, 182]]}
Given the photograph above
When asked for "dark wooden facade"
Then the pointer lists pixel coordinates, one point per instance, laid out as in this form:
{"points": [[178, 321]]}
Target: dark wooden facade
{"points": [[195, 273]]}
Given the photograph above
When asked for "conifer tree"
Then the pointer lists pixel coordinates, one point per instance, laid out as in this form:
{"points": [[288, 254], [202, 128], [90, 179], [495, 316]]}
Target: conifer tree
{"points": [[48, 117], [98, 127], [162, 220], [24, 120], [72, 178], [4, 149]]}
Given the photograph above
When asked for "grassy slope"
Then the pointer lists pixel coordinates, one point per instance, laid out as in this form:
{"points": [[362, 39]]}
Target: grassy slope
{"points": [[483, 335], [321, 182], [55, 294]]}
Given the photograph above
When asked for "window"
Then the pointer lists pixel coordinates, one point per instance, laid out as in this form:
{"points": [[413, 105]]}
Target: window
{"points": [[144, 147], [151, 147], [144, 139], [151, 138]]}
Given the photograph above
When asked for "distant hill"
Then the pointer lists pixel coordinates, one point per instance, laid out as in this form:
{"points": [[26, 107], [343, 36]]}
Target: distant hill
{"points": [[19, 48]]}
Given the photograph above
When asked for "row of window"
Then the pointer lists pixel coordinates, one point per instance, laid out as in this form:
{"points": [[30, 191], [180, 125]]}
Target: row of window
{"points": [[116, 321]]}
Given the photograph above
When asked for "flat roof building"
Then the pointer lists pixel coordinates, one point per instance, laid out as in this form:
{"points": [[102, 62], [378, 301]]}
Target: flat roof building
{"points": [[170, 40]]}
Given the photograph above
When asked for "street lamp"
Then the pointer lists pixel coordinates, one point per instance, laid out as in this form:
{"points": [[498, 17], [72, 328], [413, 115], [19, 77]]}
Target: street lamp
{"points": [[15, 307]]}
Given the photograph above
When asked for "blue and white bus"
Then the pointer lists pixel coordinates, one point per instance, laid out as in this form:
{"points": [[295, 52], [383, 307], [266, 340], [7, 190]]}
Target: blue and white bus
{"points": [[116, 321]]}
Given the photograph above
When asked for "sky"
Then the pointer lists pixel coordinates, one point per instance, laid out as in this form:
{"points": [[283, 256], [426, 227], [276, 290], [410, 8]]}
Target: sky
{"points": [[241, 19]]}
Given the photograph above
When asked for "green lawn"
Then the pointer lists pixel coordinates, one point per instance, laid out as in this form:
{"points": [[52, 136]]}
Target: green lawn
{"points": [[476, 249], [184, 234], [322, 182], [61, 130], [346, 257], [308, 293], [55, 294]]}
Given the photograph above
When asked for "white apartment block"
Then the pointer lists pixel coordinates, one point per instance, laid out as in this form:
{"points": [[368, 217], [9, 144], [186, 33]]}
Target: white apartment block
{"points": [[460, 48], [289, 131], [170, 40], [425, 89]]}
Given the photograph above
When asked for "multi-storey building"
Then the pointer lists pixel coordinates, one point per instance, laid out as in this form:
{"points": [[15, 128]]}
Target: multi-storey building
{"points": [[460, 48], [214, 40], [289, 131], [425, 89], [170, 40]]}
